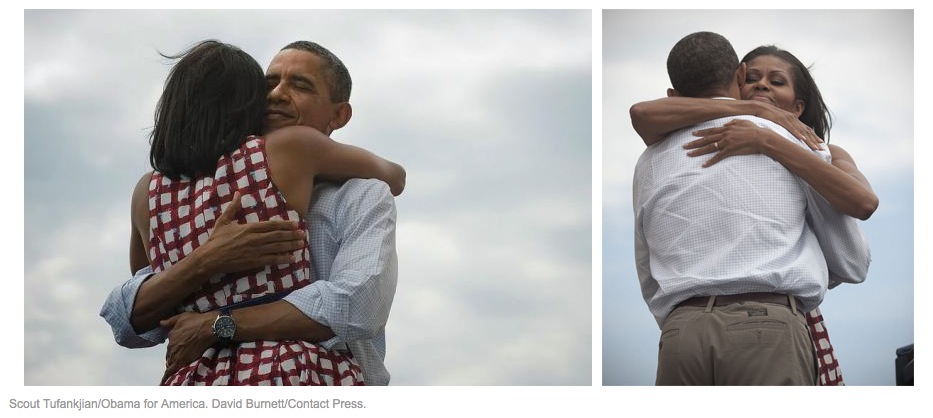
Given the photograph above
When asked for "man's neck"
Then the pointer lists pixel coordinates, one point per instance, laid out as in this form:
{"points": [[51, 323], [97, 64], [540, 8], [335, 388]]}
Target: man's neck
{"points": [[723, 93]]}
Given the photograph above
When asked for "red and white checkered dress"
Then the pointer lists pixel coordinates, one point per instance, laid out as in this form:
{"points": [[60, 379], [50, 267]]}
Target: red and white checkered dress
{"points": [[181, 216], [829, 372]]}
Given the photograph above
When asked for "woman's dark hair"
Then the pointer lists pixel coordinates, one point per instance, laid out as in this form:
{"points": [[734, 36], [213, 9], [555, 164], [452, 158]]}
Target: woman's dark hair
{"points": [[815, 113], [214, 98]]}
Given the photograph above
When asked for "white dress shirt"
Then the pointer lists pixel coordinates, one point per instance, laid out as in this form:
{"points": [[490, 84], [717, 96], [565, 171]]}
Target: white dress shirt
{"points": [[745, 224], [351, 232]]}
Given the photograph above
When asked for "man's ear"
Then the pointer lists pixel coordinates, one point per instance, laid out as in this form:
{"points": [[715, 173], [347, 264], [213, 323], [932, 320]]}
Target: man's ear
{"points": [[740, 75], [342, 114], [672, 93]]}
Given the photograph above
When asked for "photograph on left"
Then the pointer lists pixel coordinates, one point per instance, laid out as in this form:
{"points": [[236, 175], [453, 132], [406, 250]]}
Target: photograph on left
{"points": [[307, 198]]}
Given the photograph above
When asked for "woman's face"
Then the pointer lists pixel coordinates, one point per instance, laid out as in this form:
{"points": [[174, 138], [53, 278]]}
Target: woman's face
{"points": [[768, 79]]}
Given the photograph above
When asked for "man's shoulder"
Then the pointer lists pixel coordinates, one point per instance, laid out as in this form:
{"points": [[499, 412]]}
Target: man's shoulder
{"points": [[718, 122], [780, 130], [686, 134], [676, 139], [764, 123], [353, 191]]}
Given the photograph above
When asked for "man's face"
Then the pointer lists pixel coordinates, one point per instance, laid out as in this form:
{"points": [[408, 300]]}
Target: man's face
{"points": [[299, 93]]}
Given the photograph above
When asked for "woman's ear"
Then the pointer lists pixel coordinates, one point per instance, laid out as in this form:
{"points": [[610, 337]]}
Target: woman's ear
{"points": [[799, 106], [740, 75]]}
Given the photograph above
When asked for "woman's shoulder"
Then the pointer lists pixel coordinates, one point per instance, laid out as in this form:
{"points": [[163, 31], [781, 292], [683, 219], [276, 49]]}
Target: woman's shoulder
{"points": [[139, 204], [838, 153], [143, 185], [297, 136]]}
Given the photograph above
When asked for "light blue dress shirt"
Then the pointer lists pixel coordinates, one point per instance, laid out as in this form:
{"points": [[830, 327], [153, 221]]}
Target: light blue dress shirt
{"points": [[745, 224]]}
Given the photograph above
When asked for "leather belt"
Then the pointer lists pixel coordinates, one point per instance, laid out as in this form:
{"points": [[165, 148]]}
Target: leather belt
{"points": [[723, 300]]}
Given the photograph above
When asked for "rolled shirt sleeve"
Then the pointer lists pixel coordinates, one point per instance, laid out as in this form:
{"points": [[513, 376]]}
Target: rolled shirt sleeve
{"points": [[841, 239], [118, 308]]}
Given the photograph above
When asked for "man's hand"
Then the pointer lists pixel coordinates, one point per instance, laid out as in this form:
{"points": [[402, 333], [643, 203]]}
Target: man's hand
{"points": [[236, 247], [190, 334]]}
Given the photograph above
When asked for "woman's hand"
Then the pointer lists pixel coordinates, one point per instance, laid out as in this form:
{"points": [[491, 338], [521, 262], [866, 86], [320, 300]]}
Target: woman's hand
{"points": [[840, 183], [790, 122], [737, 137]]}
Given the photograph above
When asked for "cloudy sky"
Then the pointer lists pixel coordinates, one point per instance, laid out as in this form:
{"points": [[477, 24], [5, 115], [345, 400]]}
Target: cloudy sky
{"points": [[492, 122], [863, 63]]}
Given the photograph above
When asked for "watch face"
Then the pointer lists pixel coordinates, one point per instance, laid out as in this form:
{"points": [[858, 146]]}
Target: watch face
{"points": [[224, 327]]}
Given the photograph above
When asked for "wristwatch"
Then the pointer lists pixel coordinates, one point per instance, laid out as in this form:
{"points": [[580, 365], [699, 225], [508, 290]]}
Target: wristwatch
{"points": [[224, 326]]}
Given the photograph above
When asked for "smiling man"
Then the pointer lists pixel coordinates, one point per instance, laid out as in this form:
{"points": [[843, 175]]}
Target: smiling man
{"points": [[351, 234]]}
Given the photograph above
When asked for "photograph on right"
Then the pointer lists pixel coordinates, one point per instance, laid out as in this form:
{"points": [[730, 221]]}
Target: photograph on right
{"points": [[758, 197]]}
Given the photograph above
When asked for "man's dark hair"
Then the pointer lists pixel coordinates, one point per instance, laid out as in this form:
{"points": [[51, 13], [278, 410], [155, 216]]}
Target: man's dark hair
{"points": [[702, 63], [815, 113], [337, 74], [214, 98]]}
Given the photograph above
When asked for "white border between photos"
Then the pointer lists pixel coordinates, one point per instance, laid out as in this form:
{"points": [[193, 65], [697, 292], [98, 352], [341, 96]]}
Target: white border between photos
{"points": [[597, 190]]}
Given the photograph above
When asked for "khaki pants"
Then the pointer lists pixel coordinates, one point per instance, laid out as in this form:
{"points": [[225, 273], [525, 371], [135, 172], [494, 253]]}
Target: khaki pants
{"points": [[745, 343]]}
